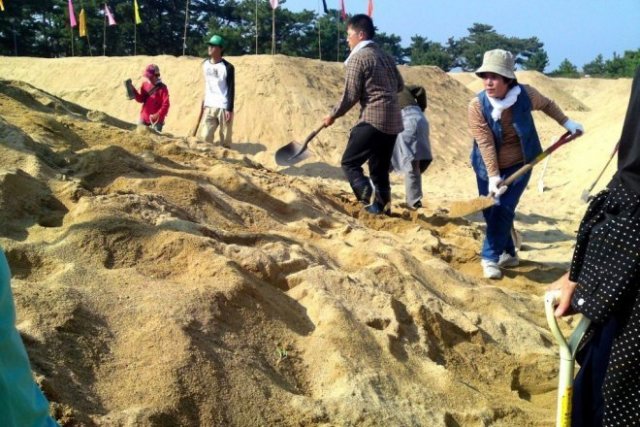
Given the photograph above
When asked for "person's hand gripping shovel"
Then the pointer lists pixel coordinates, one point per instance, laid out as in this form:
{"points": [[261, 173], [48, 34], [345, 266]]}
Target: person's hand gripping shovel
{"points": [[467, 207], [295, 152], [568, 349]]}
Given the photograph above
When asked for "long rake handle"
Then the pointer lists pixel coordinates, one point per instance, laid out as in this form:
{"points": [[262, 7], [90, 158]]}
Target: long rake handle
{"points": [[540, 157], [613, 153]]}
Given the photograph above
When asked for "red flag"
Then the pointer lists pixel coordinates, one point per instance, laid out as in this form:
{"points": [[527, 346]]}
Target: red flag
{"points": [[72, 15], [370, 9], [110, 18], [274, 3], [343, 11]]}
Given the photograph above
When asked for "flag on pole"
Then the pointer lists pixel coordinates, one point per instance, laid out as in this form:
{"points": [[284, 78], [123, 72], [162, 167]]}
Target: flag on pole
{"points": [[324, 5], [370, 9], [274, 3], [1, 6], [136, 11], [343, 11], [72, 15], [110, 18], [82, 30]]}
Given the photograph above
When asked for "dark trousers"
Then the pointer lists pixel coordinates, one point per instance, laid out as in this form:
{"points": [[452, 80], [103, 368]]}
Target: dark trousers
{"points": [[367, 143], [593, 358]]}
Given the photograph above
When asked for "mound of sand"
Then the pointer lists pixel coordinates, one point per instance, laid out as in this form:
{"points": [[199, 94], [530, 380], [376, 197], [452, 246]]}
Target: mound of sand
{"points": [[158, 285]]}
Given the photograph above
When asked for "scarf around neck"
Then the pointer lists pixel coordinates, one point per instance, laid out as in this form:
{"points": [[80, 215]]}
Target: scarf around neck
{"points": [[357, 47], [499, 105]]}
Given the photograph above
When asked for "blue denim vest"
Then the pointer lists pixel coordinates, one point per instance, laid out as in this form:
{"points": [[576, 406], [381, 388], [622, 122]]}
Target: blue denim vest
{"points": [[522, 123]]}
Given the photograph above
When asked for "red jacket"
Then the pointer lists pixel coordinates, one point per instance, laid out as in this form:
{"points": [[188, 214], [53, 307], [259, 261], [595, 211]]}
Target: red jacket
{"points": [[158, 102]]}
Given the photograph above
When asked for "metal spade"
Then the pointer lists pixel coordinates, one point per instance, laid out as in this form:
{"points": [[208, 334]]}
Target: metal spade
{"points": [[463, 208], [295, 152]]}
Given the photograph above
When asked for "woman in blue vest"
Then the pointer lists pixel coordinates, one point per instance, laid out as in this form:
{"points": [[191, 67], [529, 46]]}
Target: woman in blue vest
{"points": [[505, 138], [22, 404]]}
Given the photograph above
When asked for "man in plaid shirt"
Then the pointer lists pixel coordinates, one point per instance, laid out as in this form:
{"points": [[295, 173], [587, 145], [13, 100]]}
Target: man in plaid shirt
{"points": [[372, 79]]}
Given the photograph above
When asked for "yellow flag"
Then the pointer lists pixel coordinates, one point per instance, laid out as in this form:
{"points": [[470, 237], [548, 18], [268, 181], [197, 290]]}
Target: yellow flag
{"points": [[83, 24], [137, 12], [1, 6]]}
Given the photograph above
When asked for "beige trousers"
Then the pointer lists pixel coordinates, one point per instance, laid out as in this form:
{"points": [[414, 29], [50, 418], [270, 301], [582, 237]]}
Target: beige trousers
{"points": [[214, 120]]}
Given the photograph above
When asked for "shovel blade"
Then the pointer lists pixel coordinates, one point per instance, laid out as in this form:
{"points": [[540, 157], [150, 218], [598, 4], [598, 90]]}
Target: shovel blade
{"points": [[291, 154], [467, 207], [585, 196]]}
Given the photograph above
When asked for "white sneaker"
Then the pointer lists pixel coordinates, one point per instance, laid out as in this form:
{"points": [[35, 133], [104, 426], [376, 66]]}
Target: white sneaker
{"points": [[490, 269], [507, 260]]}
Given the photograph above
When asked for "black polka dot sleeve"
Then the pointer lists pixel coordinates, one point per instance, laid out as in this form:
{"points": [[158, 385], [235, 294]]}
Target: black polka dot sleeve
{"points": [[606, 260]]}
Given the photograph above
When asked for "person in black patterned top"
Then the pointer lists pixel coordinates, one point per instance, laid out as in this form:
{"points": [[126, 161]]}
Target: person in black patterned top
{"points": [[373, 80], [603, 284]]}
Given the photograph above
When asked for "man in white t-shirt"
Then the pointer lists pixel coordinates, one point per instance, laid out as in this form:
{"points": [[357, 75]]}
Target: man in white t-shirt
{"points": [[219, 94]]}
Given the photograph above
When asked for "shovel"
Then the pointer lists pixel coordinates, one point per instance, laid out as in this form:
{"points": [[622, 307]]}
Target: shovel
{"points": [[568, 350], [541, 179], [586, 193], [459, 209], [295, 152]]}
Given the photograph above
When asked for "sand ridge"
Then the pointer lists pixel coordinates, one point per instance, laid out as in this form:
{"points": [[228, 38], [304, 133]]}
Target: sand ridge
{"points": [[158, 284]]}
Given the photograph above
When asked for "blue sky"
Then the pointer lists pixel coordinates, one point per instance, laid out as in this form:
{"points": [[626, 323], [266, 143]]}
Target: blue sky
{"points": [[574, 29]]}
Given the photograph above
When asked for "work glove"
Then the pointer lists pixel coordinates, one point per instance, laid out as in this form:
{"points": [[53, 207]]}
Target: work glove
{"points": [[494, 189], [573, 127]]}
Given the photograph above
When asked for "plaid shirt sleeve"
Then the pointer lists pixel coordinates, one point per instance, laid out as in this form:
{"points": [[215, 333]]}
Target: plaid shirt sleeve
{"points": [[353, 88]]}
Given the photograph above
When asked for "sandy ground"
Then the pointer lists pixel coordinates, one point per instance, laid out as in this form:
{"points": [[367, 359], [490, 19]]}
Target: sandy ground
{"points": [[162, 282]]}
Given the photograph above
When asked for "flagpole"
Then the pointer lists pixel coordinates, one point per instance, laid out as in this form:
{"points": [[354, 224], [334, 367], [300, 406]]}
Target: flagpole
{"points": [[89, 43], [273, 31], [104, 33], [256, 27], [186, 21], [337, 37], [135, 36], [71, 31], [319, 42], [86, 30]]}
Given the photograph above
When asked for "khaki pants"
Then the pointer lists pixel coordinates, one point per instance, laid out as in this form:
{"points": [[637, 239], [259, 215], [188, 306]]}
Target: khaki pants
{"points": [[214, 120]]}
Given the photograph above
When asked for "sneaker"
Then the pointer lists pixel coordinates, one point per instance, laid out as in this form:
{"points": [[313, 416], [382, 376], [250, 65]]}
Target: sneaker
{"points": [[507, 260], [491, 269]]}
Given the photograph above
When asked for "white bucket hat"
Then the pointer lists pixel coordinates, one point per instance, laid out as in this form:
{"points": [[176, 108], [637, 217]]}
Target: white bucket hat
{"points": [[498, 61]]}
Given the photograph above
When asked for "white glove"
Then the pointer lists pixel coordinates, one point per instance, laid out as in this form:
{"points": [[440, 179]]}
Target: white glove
{"points": [[494, 189], [573, 127]]}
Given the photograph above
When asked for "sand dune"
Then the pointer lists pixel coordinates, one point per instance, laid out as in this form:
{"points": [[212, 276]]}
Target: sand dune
{"points": [[160, 284]]}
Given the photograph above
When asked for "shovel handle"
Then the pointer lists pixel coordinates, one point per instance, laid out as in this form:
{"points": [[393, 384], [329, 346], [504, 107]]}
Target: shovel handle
{"points": [[307, 140], [613, 153], [568, 136], [568, 350], [313, 135]]}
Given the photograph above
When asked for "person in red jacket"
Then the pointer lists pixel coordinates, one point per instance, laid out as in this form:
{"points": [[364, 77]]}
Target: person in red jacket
{"points": [[154, 97]]}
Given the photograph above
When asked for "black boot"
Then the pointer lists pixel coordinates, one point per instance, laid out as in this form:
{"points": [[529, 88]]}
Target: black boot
{"points": [[363, 192], [381, 205]]}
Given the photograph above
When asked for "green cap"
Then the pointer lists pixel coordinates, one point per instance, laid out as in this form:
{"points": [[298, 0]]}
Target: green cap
{"points": [[216, 40]]}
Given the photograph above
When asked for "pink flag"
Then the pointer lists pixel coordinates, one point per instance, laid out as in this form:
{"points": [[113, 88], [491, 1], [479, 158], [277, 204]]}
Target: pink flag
{"points": [[370, 9], [110, 17], [343, 11], [274, 3], [72, 15]]}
